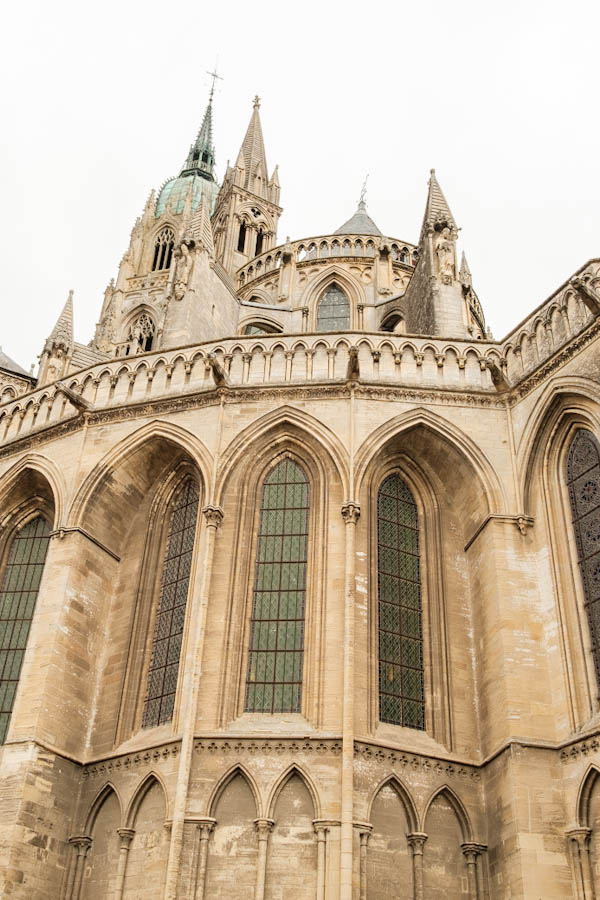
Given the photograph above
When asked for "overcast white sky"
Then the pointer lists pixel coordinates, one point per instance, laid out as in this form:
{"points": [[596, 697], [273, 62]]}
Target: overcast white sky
{"points": [[101, 101]]}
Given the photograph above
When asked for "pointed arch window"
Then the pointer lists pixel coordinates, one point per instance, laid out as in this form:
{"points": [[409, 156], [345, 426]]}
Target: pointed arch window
{"points": [[163, 249], [333, 312], [141, 335], [401, 675], [583, 480], [275, 660], [18, 596], [161, 683], [241, 244]]}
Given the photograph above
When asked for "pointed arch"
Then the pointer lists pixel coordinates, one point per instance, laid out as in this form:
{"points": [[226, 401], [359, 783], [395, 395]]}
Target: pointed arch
{"points": [[457, 806], [582, 811], [121, 452], [447, 432], [282, 780], [219, 788], [339, 275], [567, 396], [105, 791], [140, 792], [51, 475], [404, 795], [277, 428]]}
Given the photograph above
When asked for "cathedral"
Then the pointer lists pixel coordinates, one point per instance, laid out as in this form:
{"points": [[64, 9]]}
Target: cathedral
{"points": [[300, 569]]}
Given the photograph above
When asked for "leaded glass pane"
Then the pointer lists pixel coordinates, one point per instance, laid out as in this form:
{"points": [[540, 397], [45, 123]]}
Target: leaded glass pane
{"points": [[583, 479], [333, 313], [274, 681], [168, 629], [18, 594], [401, 690]]}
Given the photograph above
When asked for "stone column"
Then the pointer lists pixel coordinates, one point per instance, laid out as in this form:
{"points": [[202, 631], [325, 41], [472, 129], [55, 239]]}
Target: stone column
{"points": [[579, 843], [192, 668], [471, 851], [81, 844], [263, 827], [204, 830], [365, 830], [350, 513], [125, 839], [416, 842], [321, 831]]}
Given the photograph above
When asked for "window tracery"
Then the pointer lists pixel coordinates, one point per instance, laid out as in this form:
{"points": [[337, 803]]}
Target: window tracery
{"points": [[162, 677], [163, 249], [18, 595], [141, 335], [583, 481], [333, 312], [401, 671], [275, 661]]}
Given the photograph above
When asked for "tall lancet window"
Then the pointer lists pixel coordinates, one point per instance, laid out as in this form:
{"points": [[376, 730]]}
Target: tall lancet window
{"points": [[333, 313], [170, 615], [275, 660], [163, 249], [583, 479], [401, 690], [18, 595]]}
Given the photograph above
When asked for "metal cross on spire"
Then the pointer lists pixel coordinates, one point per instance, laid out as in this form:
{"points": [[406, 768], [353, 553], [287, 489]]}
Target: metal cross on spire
{"points": [[214, 77], [363, 191]]}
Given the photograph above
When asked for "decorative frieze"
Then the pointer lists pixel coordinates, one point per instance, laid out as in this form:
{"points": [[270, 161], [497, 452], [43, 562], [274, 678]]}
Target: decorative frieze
{"points": [[108, 767], [277, 746], [402, 760]]}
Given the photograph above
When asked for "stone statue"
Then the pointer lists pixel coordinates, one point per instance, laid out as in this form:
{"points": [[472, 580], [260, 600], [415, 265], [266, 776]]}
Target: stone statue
{"points": [[444, 249], [184, 266]]}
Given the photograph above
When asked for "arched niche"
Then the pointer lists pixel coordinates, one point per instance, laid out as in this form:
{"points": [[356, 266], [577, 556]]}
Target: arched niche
{"points": [[127, 504], [232, 856], [149, 848], [566, 410], [453, 494], [246, 463], [292, 857], [99, 879], [444, 866], [389, 861]]}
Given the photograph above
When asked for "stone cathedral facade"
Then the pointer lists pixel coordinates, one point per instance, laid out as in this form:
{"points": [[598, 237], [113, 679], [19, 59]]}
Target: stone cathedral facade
{"points": [[300, 570]]}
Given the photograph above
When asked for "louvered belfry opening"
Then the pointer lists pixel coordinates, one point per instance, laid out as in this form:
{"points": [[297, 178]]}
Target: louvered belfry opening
{"points": [[274, 682], [18, 596], [583, 479], [401, 688], [170, 617]]}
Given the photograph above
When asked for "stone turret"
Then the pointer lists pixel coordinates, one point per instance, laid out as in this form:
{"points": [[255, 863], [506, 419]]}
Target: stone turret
{"points": [[437, 302], [247, 209]]}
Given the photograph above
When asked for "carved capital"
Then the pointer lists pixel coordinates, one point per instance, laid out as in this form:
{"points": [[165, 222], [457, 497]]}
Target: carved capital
{"points": [[213, 516], [471, 850], [264, 828], [125, 836], [419, 357], [350, 512], [416, 842], [580, 836], [82, 843]]}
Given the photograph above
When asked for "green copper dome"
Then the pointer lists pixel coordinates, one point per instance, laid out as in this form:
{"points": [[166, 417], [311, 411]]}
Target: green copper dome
{"points": [[177, 189]]}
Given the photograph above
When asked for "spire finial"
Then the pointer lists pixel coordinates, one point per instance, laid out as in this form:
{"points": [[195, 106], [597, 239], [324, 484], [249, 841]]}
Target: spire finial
{"points": [[214, 77], [363, 192], [256, 104]]}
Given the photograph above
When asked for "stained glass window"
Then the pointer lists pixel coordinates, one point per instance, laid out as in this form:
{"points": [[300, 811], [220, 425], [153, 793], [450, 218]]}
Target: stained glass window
{"points": [[275, 660], [170, 616], [333, 313], [583, 479], [18, 594], [401, 695]]}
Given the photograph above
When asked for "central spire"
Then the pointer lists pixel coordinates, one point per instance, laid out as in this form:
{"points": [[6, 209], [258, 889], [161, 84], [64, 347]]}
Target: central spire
{"points": [[201, 158]]}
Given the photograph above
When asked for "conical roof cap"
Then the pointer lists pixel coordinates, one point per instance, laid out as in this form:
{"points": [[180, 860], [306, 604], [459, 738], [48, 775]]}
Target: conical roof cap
{"points": [[360, 223]]}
